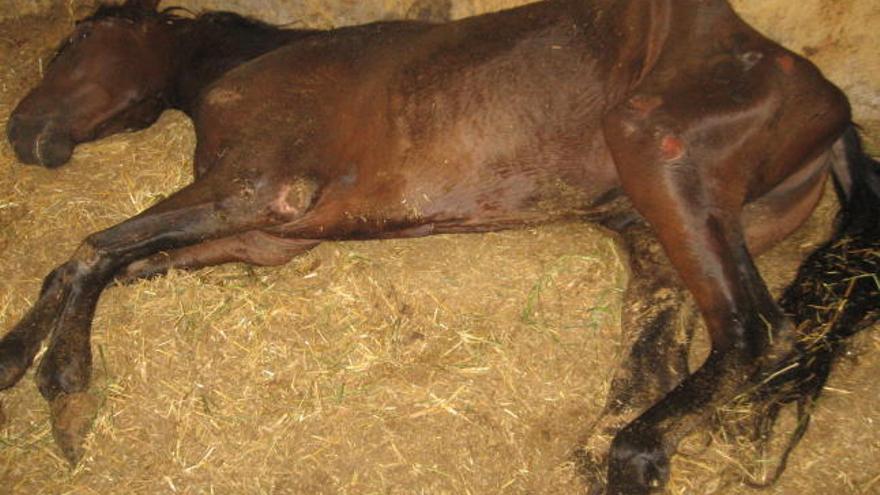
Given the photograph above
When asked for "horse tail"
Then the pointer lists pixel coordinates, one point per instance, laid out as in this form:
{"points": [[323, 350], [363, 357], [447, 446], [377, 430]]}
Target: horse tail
{"points": [[835, 294]]}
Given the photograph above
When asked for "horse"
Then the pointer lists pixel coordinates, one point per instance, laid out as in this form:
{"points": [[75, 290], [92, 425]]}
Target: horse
{"points": [[671, 122]]}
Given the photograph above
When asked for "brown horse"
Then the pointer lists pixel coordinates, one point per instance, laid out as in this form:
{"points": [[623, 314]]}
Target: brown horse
{"points": [[655, 117]]}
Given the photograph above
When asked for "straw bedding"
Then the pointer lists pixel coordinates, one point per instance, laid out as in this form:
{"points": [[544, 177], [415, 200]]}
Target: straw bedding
{"points": [[466, 364]]}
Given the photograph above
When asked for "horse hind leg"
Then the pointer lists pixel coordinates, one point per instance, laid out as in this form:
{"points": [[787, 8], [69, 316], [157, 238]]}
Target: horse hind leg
{"points": [[657, 324], [694, 204], [659, 315], [752, 417]]}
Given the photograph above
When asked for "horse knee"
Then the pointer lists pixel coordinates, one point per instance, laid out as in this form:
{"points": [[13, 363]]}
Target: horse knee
{"points": [[93, 263]]}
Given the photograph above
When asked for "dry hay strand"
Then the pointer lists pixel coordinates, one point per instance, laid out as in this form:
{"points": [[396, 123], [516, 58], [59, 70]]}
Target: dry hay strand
{"points": [[451, 364]]}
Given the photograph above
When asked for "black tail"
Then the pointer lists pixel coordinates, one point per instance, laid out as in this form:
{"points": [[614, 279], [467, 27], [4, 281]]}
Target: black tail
{"points": [[835, 295], [837, 289]]}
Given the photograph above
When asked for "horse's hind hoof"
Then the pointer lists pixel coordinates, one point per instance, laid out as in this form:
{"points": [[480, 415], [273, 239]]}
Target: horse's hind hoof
{"points": [[72, 416], [638, 464]]}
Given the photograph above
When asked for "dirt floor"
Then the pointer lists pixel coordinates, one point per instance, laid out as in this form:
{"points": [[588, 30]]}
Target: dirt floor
{"points": [[468, 364]]}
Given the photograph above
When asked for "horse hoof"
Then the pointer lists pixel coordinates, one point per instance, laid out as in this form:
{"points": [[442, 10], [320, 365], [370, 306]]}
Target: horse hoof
{"points": [[638, 464], [72, 416]]}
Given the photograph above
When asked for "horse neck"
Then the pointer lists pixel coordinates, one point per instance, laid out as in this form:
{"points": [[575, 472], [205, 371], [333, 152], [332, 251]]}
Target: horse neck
{"points": [[211, 45]]}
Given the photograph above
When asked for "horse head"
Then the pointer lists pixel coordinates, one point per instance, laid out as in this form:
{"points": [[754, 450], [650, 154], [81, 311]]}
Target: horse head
{"points": [[109, 75]]}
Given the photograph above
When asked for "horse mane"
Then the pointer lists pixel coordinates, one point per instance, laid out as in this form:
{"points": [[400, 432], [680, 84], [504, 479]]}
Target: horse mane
{"points": [[175, 13], [133, 13], [236, 21]]}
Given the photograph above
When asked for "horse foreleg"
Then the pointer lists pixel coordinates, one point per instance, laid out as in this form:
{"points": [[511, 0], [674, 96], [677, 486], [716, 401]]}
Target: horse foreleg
{"points": [[657, 325], [21, 344], [694, 206], [254, 248], [212, 208]]}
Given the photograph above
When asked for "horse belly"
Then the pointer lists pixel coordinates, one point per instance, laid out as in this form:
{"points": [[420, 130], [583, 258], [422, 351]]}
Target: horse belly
{"points": [[465, 189], [509, 155], [460, 129], [466, 178]]}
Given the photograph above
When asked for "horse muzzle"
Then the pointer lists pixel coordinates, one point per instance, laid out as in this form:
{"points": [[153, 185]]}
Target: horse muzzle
{"points": [[39, 142]]}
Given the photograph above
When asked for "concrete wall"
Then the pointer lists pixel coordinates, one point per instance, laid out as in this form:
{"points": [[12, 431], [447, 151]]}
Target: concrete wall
{"points": [[841, 36], [16, 8]]}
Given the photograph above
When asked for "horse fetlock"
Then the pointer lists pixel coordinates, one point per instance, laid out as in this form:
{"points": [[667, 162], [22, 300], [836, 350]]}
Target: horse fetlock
{"points": [[758, 338], [64, 372], [593, 455], [782, 340], [15, 358], [781, 351]]}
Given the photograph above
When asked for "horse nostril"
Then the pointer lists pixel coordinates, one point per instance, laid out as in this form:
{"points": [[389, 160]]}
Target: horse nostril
{"points": [[21, 138], [38, 141], [53, 149]]}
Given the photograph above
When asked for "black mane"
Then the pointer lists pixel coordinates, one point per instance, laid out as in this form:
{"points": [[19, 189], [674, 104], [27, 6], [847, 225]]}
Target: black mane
{"points": [[133, 13], [219, 17], [235, 21], [129, 12]]}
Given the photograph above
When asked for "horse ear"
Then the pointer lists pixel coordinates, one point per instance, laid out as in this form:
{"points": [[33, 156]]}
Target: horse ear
{"points": [[150, 5]]}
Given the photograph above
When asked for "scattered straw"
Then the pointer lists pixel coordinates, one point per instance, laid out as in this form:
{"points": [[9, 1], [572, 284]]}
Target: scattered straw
{"points": [[452, 364]]}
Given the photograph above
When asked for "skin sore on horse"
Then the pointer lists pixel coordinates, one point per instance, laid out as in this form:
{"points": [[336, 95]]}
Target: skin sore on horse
{"points": [[671, 148], [786, 63], [86, 254], [294, 198]]}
